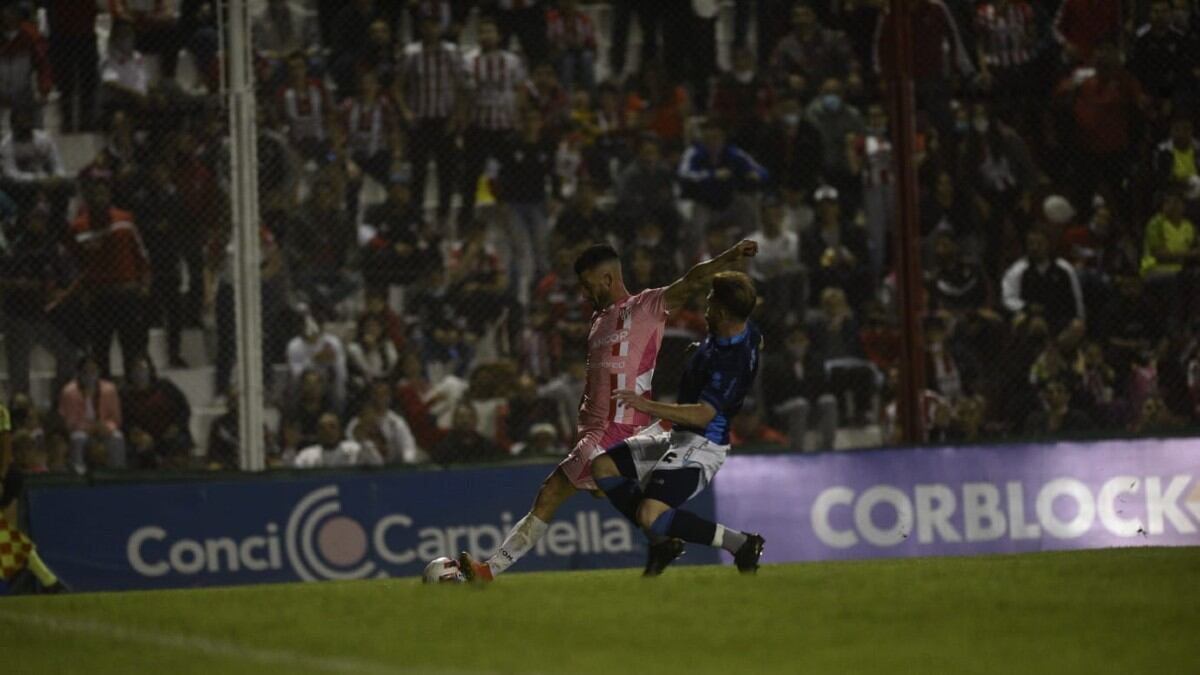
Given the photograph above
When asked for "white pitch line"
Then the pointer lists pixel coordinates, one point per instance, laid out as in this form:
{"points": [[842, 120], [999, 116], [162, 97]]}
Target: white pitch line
{"points": [[213, 647]]}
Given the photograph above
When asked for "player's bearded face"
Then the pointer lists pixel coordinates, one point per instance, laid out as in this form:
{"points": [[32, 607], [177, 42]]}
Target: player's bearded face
{"points": [[597, 284]]}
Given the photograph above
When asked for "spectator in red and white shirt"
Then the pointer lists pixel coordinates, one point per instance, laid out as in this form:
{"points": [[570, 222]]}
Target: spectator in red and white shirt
{"points": [[372, 128], [304, 105], [572, 40], [156, 26], [430, 96], [496, 90], [1007, 44], [116, 275], [22, 58]]}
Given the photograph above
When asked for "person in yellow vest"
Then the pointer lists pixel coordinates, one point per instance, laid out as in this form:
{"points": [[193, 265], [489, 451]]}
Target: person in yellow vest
{"points": [[1170, 242], [1171, 257], [21, 568], [1177, 159]]}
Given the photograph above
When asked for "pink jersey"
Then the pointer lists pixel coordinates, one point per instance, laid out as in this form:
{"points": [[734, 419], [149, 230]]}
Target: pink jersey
{"points": [[622, 349]]}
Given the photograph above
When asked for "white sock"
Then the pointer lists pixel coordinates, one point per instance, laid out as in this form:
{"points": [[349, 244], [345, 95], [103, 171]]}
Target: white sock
{"points": [[730, 540], [524, 535]]}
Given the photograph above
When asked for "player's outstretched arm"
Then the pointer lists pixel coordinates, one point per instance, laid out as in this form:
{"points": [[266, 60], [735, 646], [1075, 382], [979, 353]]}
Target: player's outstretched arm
{"points": [[695, 415], [696, 280]]}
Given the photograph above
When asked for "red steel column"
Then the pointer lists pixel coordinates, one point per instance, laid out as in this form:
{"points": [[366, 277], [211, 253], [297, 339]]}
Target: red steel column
{"points": [[907, 237]]}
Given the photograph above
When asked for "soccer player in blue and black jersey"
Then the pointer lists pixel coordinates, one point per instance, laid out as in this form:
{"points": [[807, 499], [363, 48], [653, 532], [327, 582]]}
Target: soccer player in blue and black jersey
{"points": [[718, 375]]}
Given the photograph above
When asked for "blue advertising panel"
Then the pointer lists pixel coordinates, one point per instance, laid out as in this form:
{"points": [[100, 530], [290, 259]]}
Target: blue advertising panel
{"points": [[275, 529]]}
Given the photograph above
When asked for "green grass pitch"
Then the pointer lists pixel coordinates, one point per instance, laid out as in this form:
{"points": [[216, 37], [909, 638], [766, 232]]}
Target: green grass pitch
{"points": [[1133, 610]]}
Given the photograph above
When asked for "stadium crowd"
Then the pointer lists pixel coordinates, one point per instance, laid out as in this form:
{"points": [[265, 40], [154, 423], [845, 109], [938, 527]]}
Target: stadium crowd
{"points": [[432, 316]]}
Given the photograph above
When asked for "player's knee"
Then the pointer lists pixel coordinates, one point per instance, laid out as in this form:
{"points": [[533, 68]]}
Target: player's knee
{"points": [[648, 512]]}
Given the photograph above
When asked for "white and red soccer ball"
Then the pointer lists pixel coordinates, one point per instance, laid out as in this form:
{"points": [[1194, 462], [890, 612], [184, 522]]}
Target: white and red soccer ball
{"points": [[443, 571]]}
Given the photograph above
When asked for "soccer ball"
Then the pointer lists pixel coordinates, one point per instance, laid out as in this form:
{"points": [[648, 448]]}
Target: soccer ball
{"points": [[443, 571]]}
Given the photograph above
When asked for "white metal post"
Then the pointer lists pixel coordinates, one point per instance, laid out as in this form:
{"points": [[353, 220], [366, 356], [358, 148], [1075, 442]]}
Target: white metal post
{"points": [[244, 199]]}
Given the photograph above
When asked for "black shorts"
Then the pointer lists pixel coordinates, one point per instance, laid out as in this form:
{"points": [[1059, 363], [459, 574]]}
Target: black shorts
{"points": [[675, 487]]}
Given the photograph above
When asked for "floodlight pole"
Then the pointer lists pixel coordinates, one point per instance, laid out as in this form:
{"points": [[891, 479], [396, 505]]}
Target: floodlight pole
{"points": [[244, 198], [907, 237]]}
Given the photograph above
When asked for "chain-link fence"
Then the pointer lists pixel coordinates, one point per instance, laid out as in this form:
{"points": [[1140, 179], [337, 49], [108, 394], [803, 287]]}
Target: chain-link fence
{"points": [[428, 171]]}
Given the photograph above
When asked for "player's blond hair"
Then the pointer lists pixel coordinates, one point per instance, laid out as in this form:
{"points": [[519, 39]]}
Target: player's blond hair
{"points": [[736, 293]]}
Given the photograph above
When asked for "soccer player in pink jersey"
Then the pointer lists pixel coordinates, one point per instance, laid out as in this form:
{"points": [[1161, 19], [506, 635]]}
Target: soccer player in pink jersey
{"points": [[623, 344]]}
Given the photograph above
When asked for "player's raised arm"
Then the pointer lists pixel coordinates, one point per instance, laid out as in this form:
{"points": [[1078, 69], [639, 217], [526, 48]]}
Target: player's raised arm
{"points": [[697, 278]]}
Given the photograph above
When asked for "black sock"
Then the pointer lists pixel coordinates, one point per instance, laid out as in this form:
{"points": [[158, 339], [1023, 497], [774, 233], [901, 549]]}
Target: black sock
{"points": [[685, 525], [624, 494]]}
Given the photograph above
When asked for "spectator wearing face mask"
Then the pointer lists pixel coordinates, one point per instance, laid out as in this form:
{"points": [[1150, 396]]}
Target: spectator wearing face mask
{"points": [[999, 166], [836, 120], [791, 149]]}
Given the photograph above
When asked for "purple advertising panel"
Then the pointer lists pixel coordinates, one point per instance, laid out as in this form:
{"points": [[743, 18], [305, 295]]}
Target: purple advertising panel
{"points": [[966, 501]]}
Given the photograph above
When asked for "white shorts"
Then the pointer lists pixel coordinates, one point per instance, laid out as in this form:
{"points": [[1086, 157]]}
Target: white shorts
{"points": [[686, 463], [577, 466]]}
